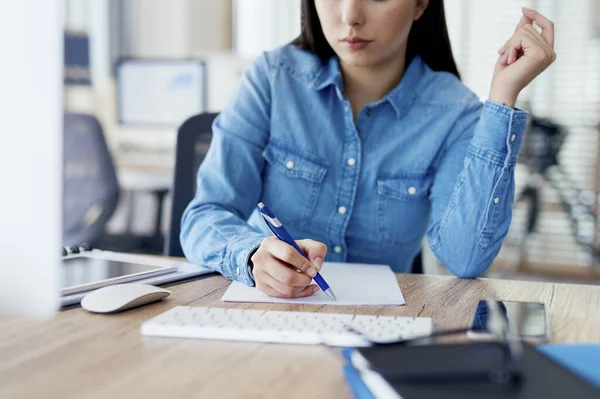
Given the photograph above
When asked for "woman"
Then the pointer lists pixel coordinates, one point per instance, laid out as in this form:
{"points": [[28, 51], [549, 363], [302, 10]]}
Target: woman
{"points": [[361, 138]]}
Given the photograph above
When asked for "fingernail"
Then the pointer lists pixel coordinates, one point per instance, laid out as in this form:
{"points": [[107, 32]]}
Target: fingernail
{"points": [[315, 289], [318, 262], [311, 271], [527, 9]]}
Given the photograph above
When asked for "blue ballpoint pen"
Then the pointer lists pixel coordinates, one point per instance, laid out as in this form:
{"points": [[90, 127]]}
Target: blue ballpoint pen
{"points": [[280, 232]]}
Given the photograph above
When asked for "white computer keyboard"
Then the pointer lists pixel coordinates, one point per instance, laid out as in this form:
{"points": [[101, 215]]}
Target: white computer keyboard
{"points": [[283, 327]]}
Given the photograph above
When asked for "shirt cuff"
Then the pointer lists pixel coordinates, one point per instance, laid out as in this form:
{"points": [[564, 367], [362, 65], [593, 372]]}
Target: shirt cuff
{"points": [[239, 256], [499, 133]]}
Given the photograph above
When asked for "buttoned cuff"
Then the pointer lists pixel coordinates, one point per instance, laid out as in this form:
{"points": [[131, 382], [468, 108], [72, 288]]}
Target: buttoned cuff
{"points": [[239, 252], [499, 133]]}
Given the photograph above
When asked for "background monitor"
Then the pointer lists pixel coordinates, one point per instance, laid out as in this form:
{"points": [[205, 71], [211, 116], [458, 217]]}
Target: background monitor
{"points": [[160, 92]]}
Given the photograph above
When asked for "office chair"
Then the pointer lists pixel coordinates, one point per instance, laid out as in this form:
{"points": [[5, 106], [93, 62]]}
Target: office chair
{"points": [[90, 185], [193, 140]]}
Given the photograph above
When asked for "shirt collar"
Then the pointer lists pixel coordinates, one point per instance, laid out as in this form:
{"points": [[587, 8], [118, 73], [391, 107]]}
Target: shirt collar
{"points": [[404, 94], [401, 97], [329, 74]]}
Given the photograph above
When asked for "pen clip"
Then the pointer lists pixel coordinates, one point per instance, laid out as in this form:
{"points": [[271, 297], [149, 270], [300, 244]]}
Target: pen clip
{"points": [[270, 220], [268, 223]]}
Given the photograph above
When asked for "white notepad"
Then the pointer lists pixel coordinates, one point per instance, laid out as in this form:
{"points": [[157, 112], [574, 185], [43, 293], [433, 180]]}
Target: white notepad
{"points": [[352, 283]]}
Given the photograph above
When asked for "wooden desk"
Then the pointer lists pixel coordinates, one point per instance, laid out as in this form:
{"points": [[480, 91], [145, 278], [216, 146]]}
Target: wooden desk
{"points": [[80, 354]]}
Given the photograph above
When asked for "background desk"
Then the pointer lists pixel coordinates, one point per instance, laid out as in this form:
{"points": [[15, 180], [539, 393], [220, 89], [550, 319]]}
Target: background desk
{"points": [[78, 354]]}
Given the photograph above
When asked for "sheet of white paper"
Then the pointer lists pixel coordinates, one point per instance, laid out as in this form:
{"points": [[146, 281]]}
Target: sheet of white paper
{"points": [[352, 283]]}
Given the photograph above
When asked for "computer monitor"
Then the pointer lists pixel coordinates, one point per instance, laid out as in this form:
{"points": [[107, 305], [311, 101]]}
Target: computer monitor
{"points": [[31, 77], [160, 92]]}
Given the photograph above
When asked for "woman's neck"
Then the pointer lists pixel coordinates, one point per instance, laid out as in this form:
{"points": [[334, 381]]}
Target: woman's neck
{"points": [[365, 85]]}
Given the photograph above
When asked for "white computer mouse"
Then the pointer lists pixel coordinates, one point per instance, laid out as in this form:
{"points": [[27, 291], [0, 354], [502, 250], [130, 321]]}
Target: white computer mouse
{"points": [[116, 298]]}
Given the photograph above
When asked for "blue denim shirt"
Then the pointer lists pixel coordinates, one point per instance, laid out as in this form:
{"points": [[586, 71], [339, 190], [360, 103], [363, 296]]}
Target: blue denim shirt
{"points": [[428, 158]]}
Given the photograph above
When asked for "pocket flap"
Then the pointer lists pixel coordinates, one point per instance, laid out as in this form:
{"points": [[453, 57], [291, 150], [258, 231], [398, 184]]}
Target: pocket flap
{"points": [[406, 187], [294, 165]]}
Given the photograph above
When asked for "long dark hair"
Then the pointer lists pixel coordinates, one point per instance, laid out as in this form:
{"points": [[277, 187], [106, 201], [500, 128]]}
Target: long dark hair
{"points": [[428, 37]]}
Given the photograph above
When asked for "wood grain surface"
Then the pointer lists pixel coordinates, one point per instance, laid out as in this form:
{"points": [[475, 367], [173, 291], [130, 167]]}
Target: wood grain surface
{"points": [[78, 354]]}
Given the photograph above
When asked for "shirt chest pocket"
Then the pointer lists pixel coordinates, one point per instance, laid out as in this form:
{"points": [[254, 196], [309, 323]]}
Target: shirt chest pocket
{"points": [[403, 206], [292, 183]]}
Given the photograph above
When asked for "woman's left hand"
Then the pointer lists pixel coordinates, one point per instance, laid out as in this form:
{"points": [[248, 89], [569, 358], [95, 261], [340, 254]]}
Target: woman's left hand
{"points": [[524, 56]]}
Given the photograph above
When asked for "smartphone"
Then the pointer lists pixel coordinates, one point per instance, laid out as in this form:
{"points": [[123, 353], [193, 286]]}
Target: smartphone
{"points": [[527, 320]]}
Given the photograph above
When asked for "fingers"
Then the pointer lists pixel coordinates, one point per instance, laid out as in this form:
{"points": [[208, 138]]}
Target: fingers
{"points": [[281, 271], [543, 22], [315, 251], [270, 291], [505, 53], [526, 37], [524, 21], [513, 53], [288, 254], [285, 274], [508, 52], [523, 57], [272, 287]]}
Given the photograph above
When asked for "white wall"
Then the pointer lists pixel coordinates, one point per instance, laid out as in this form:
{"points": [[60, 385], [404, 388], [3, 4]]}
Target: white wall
{"points": [[176, 28], [261, 25]]}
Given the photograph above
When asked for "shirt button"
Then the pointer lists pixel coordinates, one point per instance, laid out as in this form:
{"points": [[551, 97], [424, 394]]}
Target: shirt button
{"points": [[337, 249], [513, 137], [342, 210], [412, 190], [351, 161], [237, 270], [290, 164], [496, 200]]}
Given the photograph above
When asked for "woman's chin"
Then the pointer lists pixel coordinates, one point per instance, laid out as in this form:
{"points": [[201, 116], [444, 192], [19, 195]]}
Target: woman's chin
{"points": [[358, 60]]}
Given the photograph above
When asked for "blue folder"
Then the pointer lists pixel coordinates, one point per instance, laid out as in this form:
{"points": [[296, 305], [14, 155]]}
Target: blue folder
{"points": [[583, 360], [356, 384]]}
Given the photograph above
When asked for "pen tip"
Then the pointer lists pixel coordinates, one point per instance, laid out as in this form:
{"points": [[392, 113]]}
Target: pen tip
{"points": [[330, 294]]}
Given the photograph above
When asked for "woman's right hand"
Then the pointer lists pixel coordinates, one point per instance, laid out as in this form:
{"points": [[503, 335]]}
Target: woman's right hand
{"points": [[276, 265]]}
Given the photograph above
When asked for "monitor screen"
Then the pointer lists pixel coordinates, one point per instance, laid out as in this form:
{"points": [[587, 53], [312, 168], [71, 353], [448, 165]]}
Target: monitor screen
{"points": [[160, 92]]}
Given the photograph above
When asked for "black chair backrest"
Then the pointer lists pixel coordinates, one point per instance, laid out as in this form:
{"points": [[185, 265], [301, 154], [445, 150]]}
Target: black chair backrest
{"points": [[193, 140], [90, 185]]}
